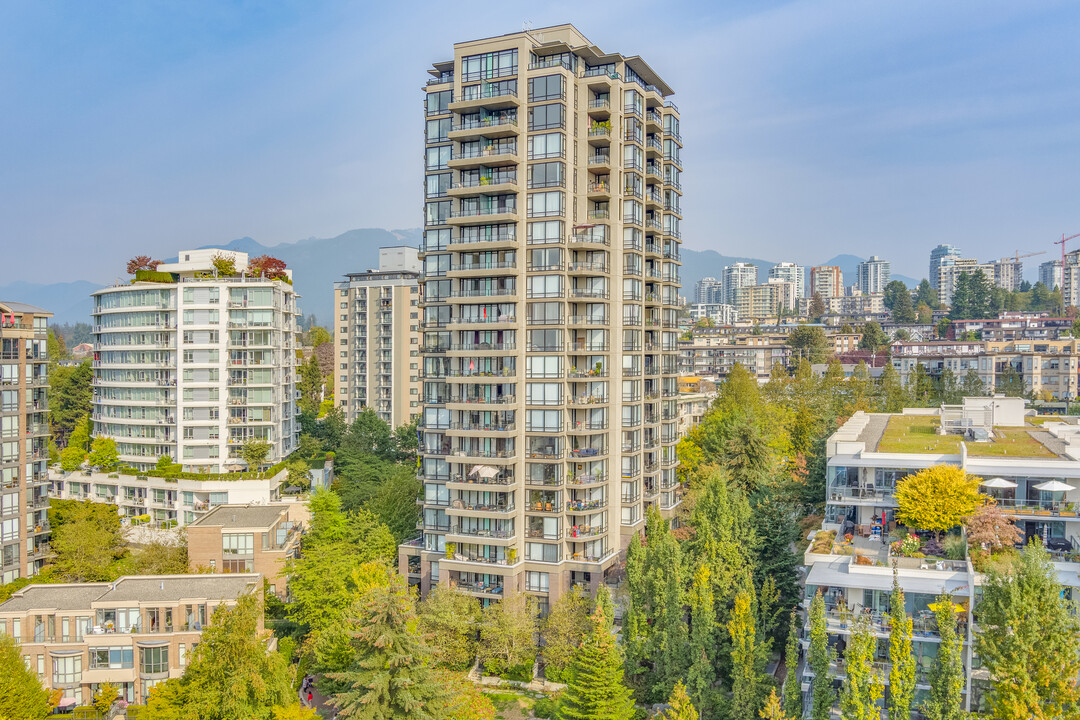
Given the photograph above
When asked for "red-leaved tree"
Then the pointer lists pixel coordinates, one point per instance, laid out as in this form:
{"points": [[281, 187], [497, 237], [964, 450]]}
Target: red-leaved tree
{"points": [[267, 266], [141, 262]]}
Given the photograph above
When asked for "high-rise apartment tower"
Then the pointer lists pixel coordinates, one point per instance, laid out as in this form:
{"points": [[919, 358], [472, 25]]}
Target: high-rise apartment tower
{"points": [[550, 293]]}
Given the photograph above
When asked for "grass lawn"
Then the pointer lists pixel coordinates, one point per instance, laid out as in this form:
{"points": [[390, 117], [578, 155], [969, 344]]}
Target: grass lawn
{"points": [[1040, 419], [918, 434], [512, 706]]}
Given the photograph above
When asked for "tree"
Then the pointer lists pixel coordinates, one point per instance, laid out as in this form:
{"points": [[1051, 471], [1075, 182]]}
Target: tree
{"points": [[310, 385], [86, 539], [809, 342], [901, 658], [772, 710], [390, 677], [990, 529], [701, 677], [103, 454], [862, 688], [892, 293], [230, 675], [159, 558], [904, 311], [224, 265], [391, 499], [937, 498], [507, 630], [105, 696], [1028, 640], [562, 632], [370, 435], [679, 705], [873, 337], [21, 695], [595, 690], [448, 620], [745, 672], [141, 262], [255, 451], [317, 336], [817, 307], [819, 656], [466, 701], [298, 473], [793, 700], [267, 267], [926, 295], [972, 385], [924, 314], [71, 458], [946, 700], [1010, 383]]}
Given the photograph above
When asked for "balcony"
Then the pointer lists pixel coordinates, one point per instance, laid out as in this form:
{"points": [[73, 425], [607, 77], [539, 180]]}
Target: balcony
{"points": [[491, 156], [494, 97], [490, 127]]}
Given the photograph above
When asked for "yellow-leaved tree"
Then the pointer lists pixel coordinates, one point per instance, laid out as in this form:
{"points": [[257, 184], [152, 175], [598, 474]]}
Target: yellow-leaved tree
{"points": [[937, 498]]}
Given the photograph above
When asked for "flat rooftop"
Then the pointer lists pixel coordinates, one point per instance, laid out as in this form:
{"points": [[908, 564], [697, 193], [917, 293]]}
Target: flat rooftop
{"points": [[918, 434], [131, 589], [242, 516]]}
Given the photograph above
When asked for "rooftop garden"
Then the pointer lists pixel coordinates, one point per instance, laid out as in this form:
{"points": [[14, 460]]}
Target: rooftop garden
{"points": [[918, 434], [145, 269]]}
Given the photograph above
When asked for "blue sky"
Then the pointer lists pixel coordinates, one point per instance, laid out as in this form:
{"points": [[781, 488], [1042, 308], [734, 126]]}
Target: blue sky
{"points": [[811, 128]]}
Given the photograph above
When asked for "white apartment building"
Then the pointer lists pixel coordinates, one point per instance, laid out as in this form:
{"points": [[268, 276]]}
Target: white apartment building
{"points": [[709, 291], [1050, 274], [952, 268], [939, 255], [719, 313], [550, 302], [191, 365], [736, 276], [792, 273], [873, 275], [826, 281], [377, 338]]}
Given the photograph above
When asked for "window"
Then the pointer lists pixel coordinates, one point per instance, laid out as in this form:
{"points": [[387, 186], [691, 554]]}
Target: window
{"points": [[438, 130], [543, 394], [437, 185], [548, 145], [113, 658], [438, 158], [489, 65], [439, 102], [153, 660], [546, 117], [546, 204], [536, 581], [67, 670], [541, 552], [548, 231], [548, 87], [544, 175]]}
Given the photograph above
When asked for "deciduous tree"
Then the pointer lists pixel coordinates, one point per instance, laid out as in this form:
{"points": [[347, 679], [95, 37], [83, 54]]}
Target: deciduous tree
{"points": [[21, 695], [793, 700], [946, 701], [901, 658], [103, 454], [562, 632], [701, 676], [448, 621], [745, 670], [862, 688], [507, 632], [819, 655], [679, 705], [141, 262], [990, 529], [255, 452], [772, 709], [86, 539], [937, 498]]}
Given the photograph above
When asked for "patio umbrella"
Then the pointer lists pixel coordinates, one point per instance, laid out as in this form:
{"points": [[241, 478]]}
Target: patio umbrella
{"points": [[1054, 486], [998, 483], [484, 471]]}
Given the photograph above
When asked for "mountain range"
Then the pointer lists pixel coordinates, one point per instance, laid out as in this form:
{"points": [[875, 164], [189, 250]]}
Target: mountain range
{"points": [[317, 263]]}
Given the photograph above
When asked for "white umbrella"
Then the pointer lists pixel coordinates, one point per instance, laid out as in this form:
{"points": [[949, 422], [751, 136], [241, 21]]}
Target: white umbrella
{"points": [[485, 471], [1054, 486], [998, 483]]}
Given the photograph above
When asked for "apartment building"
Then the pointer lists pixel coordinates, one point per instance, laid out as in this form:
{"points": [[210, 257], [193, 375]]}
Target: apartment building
{"points": [[191, 365], [951, 268], [765, 301], [873, 275], [1009, 273], [714, 355], [1070, 279], [550, 300], [939, 255], [133, 633], [792, 273], [719, 313], [709, 291], [377, 337], [737, 276], [1013, 326], [855, 307], [166, 501], [826, 281], [24, 440], [1050, 274], [866, 460], [246, 539]]}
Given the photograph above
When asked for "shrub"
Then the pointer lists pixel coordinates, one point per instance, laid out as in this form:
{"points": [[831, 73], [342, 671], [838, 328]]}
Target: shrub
{"points": [[154, 276], [908, 546], [955, 547], [546, 707], [933, 548], [863, 560], [823, 541]]}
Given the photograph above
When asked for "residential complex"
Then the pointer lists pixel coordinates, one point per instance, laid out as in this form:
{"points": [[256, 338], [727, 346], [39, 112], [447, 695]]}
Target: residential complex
{"points": [[1070, 279], [709, 291], [856, 307], [870, 455], [873, 275], [246, 539], [165, 501], [719, 313], [938, 256], [1008, 273], [1050, 274], [826, 281], [549, 313], [191, 365], [952, 268], [792, 273], [737, 276], [765, 301], [1013, 326], [132, 633], [24, 440], [377, 337]]}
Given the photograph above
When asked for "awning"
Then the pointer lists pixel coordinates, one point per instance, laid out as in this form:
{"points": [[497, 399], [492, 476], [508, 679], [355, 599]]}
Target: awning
{"points": [[66, 702], [484, 471]]}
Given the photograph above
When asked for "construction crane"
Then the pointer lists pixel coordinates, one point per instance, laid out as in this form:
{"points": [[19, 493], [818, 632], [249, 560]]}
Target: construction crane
{"points": [[1026, 255], [1062, 242]]}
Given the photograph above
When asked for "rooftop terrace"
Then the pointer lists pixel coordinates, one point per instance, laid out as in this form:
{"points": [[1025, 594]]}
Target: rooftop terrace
{"points": [[918, 434]]}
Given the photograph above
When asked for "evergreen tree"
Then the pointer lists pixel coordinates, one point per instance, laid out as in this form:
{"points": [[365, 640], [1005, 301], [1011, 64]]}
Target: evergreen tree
{"points": [[926, 295], [635, 626], [819, 656], [903, 311], [793, 700], [862, 688], [817, 307], [390, 679], [947, 673], [668, 640], [596, 690], [972, 385], [701, 677], [1029, 640], [680, 706], [745, 673], [901, 659]]}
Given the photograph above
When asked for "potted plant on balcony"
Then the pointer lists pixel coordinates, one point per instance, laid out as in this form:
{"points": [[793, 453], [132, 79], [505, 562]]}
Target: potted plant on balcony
{"points": [[511, 556], [451, 548]]}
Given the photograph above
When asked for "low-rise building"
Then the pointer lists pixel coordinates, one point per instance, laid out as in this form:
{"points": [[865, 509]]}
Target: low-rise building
{"points": [[132, 633], [719, 313], [1013, 326], [870, 454], [247, 538], [167, 501]]}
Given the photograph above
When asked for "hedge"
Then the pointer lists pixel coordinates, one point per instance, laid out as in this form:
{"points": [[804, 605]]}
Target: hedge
{"points": [[175, 475], [154, 276]]}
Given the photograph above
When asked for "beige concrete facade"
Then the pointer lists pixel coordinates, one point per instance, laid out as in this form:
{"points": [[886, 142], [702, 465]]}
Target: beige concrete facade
{"points": [[551, 283], [377, 344], [24, 438], [246, 539], [133, 633], [826, 281]]}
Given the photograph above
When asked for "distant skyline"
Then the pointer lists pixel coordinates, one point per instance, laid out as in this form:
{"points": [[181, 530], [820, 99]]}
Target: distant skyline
{"points": [[811, 128]]}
